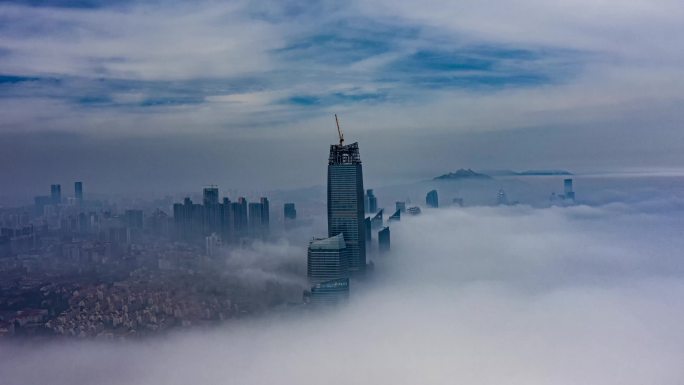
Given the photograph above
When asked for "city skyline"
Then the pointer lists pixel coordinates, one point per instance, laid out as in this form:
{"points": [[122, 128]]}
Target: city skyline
{"points": [[184, 198]]}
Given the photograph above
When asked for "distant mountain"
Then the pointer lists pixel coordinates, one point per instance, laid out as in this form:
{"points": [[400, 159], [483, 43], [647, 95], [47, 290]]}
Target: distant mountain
{"points": [[462, 174], [527, 173]]}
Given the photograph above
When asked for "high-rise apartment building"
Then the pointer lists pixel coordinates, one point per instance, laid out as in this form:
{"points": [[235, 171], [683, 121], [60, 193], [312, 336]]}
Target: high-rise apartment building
{"points": [[346, 201], [239, 212], [289, 211], [226, 218], [255, 209], [265, 214], [431, 199], [210, 195], [78, 192], [212, 210], [56, 194]]}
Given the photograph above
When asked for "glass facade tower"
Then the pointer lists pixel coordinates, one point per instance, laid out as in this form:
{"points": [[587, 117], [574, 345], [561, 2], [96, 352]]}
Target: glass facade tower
{"points": [[346, 201]]}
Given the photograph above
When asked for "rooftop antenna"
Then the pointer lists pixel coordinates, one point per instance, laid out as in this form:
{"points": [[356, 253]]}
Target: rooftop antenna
{"points": [[339, 132]]}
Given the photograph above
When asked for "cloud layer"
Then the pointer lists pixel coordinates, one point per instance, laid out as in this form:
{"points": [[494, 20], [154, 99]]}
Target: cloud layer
{"points": [[479, 295], [600, 80]]}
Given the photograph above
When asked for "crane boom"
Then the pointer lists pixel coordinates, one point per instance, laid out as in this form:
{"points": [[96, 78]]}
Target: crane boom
{"points": [[339, 132]]}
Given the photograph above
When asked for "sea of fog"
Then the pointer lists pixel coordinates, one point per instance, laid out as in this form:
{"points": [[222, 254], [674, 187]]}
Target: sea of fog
{"points": [[521, 294]]}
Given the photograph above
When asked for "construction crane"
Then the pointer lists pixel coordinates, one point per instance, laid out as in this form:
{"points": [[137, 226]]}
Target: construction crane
{"points": [[339, 132]]}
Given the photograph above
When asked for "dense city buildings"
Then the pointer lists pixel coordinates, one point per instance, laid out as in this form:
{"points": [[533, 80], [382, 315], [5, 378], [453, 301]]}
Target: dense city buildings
{"points": [[431, 199], [346, 201], [134, 219], [232, 221], [328, 258], [88, 269]]}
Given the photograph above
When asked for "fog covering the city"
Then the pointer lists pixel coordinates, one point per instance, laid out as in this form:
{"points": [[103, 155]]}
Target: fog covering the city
{"points": [[479, 295]]}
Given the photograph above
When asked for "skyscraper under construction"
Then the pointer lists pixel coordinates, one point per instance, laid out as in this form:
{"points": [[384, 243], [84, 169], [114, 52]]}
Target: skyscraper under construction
{"points": [[346, 200]]}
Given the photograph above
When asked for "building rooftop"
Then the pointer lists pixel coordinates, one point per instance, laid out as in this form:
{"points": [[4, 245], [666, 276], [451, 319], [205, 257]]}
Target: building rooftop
{"points": [[332, 243], [344, 154]]}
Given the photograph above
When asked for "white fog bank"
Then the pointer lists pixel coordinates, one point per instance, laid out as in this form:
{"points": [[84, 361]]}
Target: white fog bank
{"points": [[508, 295]]}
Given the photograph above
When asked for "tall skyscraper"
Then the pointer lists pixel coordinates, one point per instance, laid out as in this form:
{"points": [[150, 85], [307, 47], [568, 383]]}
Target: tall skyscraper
{"points": [[183, 218], [371, 202], [395, 217], [78, 192], [212, 210], [255, 224], [384, 240], [56, 194], [327, 258], [289, 215], [431, 199], [239, 211], [226, 219], [265, 215], [211, 195], [345, 201], [377, 221], [401, 206], [567, 187], [369, 233], [289, 211]]}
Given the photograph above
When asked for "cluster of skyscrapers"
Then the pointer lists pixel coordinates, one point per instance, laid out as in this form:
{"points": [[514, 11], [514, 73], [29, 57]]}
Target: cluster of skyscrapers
{"points": [[232, 221], [55, 197]]}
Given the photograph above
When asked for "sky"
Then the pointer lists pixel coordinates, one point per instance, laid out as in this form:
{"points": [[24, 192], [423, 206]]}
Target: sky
{"points": [[477, 295], [168, 96]]}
